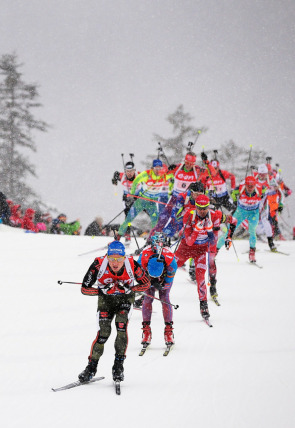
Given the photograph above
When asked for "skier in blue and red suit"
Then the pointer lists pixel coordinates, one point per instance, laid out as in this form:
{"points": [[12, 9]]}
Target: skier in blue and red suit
{"points": [[161, 266]]}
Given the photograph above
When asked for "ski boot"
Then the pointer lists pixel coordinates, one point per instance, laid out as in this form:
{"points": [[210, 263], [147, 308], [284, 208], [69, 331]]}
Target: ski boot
{"points": [[118, 369], [192, 270], [213, 291], [204, 309], [89, 371], [271, 244], [146, 333], [252, 255], [138, 303], [168, 333]]}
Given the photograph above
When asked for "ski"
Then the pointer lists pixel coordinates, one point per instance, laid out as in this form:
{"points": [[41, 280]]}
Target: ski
{"points": [[277, 251], [168, 349], [117, 387], [77, 383], [214, 298], [255, 264], [143, 349], [105, 247], [207, 321]]}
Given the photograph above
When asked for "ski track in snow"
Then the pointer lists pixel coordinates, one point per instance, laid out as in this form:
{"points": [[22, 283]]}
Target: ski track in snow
{"points": [[240, 373]]}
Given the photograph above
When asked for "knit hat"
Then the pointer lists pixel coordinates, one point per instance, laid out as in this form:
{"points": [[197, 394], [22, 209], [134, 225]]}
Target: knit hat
{"points": [[116, 247], [250, 181], [202, 201], [157, 162]]}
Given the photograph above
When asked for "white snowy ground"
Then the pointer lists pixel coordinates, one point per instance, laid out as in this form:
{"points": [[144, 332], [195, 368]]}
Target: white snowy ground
{"points": [[240, 373]]}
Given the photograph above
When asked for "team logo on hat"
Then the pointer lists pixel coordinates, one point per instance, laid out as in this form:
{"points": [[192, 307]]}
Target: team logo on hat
{"points": [[202, 201]]}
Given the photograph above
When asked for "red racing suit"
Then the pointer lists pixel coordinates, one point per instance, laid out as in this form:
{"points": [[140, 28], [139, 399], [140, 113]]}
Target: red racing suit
{"points": [[200, 237]]}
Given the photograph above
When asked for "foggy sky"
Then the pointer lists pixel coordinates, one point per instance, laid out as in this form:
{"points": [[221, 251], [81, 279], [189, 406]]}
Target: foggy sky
{"points": [[110, 72]]}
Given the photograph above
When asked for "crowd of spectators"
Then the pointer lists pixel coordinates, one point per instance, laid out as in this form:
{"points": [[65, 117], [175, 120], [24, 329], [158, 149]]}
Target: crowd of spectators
{"points": [[35, 221], [31, 220]]}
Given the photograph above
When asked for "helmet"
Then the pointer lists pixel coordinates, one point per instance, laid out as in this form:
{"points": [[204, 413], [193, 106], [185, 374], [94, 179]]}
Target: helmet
{"points": [[197, 187], [116, 247], [129, 166], [202, 201], [155, 267], [158, 237], [157, 162], [158, 241], [214, 163], [191, 158], [262, 169]]}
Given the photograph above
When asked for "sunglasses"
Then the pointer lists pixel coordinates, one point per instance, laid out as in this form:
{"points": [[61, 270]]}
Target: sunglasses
{"points": [[202, 208], [116, 259]]}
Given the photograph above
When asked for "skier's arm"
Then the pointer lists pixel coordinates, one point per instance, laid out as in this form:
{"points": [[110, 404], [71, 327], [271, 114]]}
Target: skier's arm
{"points": [[141, 278], [171, 271], [89, 279], [141, 178]]}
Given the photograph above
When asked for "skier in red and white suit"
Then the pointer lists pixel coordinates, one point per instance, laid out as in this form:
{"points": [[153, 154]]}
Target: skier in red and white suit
{"points": [[198, 235]]}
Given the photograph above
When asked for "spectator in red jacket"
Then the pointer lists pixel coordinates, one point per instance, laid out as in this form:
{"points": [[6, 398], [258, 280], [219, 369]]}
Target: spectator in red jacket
{"points": [[28, 221], [16, 216]]}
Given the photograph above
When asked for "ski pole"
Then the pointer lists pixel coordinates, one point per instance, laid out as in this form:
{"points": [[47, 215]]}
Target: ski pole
{"points": [[69, 282], [162, 301], [199, 131], [249, 159], [209, 173], [122, 154], [131, 228], [131, 156], [148, 199], [235, 250], [163, 153], [148, 295], [181, 236], [114, 218]]}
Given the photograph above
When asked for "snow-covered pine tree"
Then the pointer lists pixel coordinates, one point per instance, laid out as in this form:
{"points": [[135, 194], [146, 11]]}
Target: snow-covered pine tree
{"points": [[235, 159], [17, 100], [175, 147]]}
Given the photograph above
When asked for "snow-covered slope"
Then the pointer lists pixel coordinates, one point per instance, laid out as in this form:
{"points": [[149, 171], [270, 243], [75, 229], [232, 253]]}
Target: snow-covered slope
{"points": [[240, 373]]}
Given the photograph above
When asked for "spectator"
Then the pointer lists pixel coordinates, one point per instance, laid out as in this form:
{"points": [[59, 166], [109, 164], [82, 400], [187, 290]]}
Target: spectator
{"points": [[95, 228], [28, 221], [4, 210], [60, 226], [16, 216]]}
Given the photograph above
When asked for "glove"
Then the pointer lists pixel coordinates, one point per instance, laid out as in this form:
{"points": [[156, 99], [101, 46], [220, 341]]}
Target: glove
{"points": [[227, 243], [172, 166], [116, 177], [280, 209], [156, 283], [204, 157]]}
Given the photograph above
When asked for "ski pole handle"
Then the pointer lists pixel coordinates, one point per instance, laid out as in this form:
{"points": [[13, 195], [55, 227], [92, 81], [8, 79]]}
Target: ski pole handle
{"points": [[162, 301], [68, 282]]}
